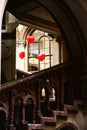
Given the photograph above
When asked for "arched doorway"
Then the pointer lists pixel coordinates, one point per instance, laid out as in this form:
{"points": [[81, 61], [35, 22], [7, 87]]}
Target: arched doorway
{"points": [[2, 120]]}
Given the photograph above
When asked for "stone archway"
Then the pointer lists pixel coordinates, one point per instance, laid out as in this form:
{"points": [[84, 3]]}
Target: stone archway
{"points": [[64, 18], [67, 126], [58, 11], [70, 30], [29, 108]]}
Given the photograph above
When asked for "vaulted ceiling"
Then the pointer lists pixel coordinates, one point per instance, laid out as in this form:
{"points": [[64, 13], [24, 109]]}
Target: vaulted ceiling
{"points": [[31, 13]]}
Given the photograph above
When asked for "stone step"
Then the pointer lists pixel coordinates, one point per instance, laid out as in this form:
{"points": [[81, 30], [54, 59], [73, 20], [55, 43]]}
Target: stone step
{"points": [[28, 126], [60, 114], [70, 108], [35, 127], [49, 121]]}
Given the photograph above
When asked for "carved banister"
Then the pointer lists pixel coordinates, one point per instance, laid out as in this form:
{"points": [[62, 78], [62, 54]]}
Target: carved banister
{"points": [[62, 68]]}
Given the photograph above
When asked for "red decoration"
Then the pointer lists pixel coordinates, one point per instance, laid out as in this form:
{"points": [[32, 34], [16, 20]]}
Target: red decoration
{"points": [[41, 57], [22, 55], [30, 39]]}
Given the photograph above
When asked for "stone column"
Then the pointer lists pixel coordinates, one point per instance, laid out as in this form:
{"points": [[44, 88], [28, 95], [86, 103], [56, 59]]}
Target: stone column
{"points": [[57, 100], [12, 110], [34, 113], [39, 91], [47, 101], [6, 123], [23, 118]]}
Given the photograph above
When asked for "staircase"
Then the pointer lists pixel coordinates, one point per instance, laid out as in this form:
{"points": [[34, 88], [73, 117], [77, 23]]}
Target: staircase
{"points": [[58, 119], [52, 115]]}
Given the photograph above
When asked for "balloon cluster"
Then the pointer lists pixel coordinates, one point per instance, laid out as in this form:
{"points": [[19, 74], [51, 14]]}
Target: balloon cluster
{"points": [[30, 40]]}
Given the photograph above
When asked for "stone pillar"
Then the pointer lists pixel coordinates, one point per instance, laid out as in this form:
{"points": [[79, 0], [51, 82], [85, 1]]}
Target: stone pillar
{"points": [[48, 87], [47, 100], [6, 123], [57, 100], [34, 113], [39, 91], [57, 91], [12, 110], [61, 93], [23, 118]]}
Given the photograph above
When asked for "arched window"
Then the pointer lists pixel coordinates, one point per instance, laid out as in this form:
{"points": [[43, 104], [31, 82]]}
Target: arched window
{"points": [[51, 96], [46, 50], [42, 47]]}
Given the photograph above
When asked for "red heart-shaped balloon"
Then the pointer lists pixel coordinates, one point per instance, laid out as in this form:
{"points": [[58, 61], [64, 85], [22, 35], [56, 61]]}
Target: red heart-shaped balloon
{"points": [[30, 39], [41, 57], [22, 55]]}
